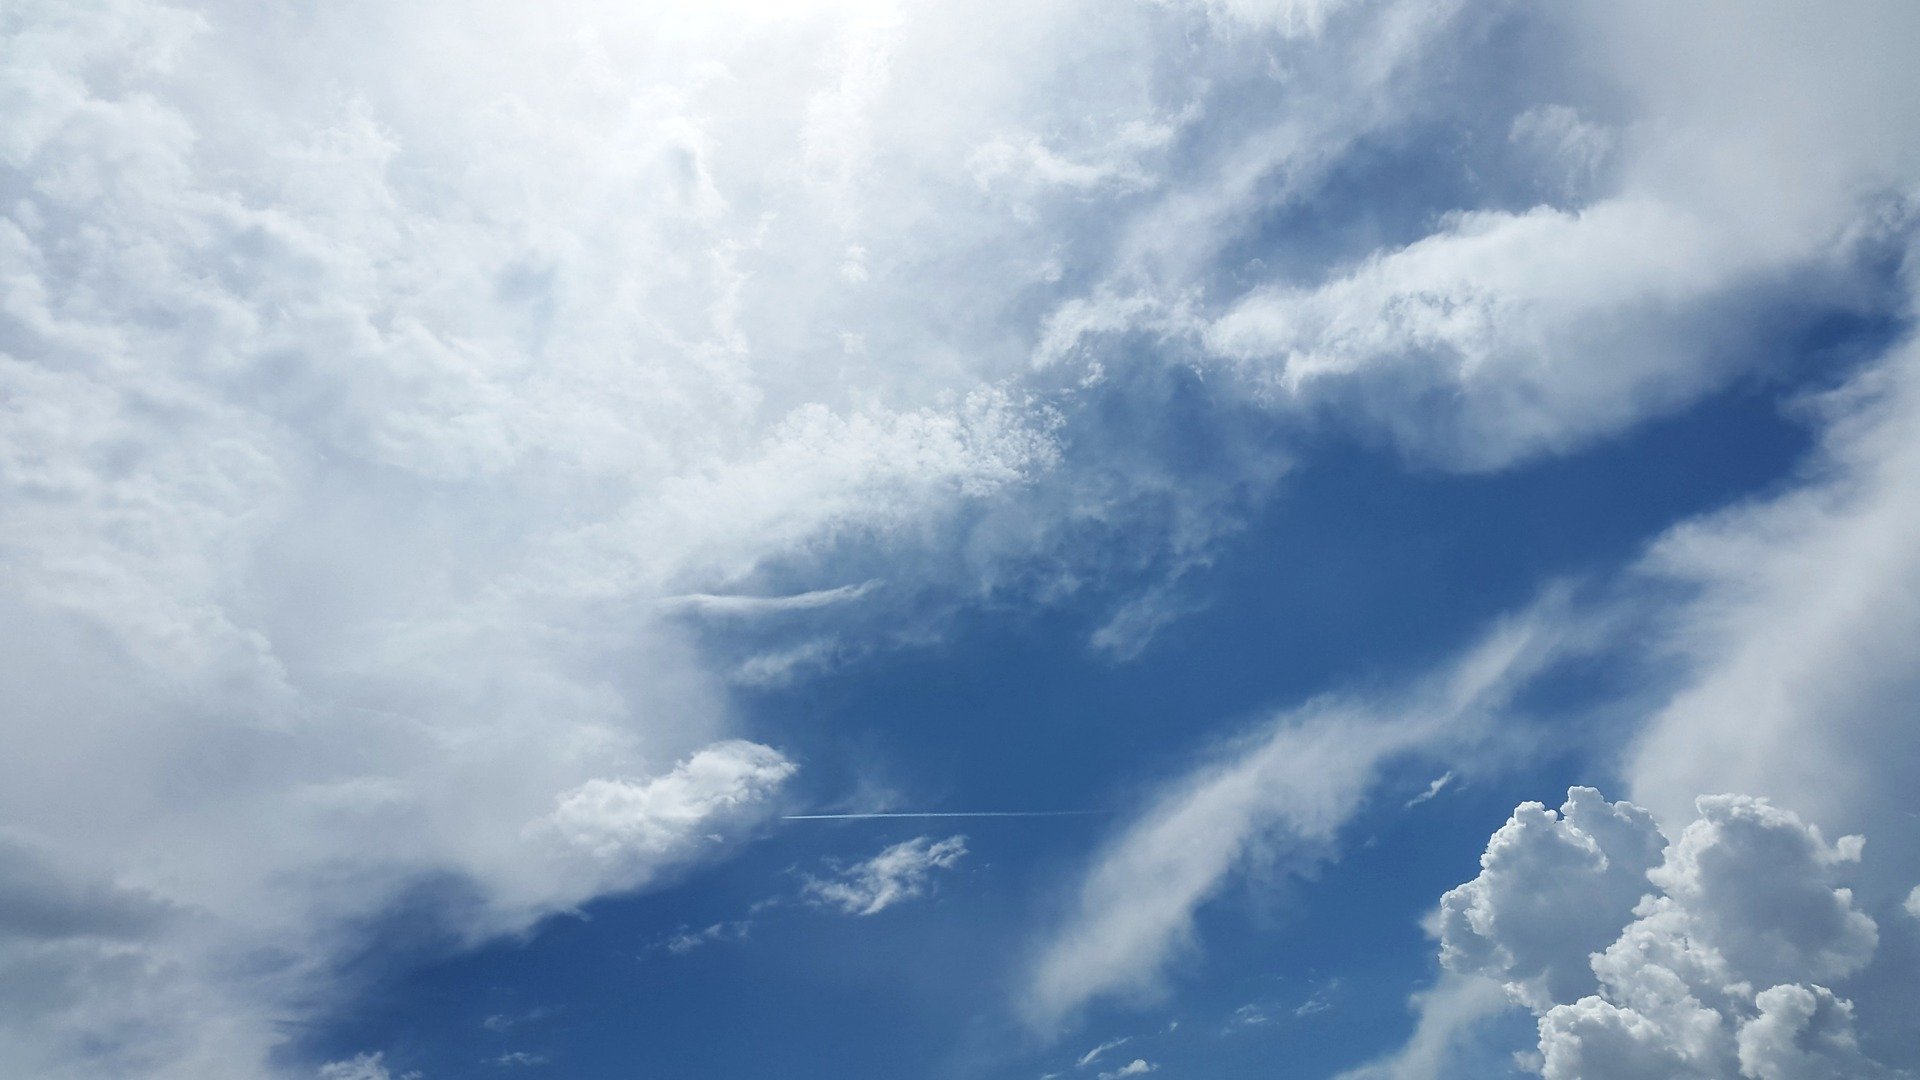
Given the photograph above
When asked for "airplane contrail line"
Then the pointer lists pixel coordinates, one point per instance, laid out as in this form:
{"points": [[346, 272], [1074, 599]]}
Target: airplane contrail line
{"points": [[944, 814]]}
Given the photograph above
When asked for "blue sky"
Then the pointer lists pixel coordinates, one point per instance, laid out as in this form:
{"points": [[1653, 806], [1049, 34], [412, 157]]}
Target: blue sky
{"points": [[1416, 497]]}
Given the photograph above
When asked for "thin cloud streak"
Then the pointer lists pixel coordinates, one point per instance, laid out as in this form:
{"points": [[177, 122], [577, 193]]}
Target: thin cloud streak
{"points": [[949, 814]]}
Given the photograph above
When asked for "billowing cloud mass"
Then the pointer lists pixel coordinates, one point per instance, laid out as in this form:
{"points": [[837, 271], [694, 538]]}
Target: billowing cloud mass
{"points": [[1723, 954], [901, 872], [417, 422]]}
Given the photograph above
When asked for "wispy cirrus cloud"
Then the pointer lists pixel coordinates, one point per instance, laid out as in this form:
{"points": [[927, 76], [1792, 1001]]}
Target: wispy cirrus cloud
{"points": [[1287, 787], [384, 385], [900, 872]]}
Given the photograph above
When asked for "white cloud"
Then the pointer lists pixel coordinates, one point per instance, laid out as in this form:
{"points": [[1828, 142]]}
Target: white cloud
{"points": [[504, 1022], [1136, 1067], [710, 604], [1713, 961], [1434, 787], [1093, 1055], [362, 1067], [611, 835], [1798, 641], [1801, 1033], [684, 941], [901, 872], [382, 384], [1285, 789], [1912, 904], [1319, 1001], [1448, 1014], [1553, 889]]}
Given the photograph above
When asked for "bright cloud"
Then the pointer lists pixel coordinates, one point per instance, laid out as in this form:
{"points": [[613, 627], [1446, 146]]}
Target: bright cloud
{"points": [[1094, 1054], [1287, 788], [901, 872], [418, 422], [1714, 959]]}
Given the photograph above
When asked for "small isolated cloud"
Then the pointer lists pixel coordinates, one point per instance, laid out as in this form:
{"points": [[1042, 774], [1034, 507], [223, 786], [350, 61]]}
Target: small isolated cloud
{"points": [[1319, 1001], [1710, 955], [504, 1022], [735, 604], [685, 939], [1439, 784], [1913, 902], [614, 834], [1093, 1055], [1136, 1067], [516, 1059], [901, 872], [363, 1067], [1249, 1015]]}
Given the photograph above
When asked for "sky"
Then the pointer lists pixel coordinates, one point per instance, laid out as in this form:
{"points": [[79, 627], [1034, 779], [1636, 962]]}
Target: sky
{"points": [[1339, 539]]}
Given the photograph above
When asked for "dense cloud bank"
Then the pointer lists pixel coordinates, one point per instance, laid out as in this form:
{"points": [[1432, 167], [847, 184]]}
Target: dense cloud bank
{"points": [[416, 420], [1714, 954]]}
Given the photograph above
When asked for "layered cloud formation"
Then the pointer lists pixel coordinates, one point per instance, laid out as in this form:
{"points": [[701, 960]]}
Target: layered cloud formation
{"points": [[416, 420]]}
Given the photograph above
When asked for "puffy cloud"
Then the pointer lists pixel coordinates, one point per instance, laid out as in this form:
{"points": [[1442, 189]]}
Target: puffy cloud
{"points": [[1803, 1033], [898, 873], [618, 832], [384, 388], [1553, 888], [1714, 960], [1282, 791]]}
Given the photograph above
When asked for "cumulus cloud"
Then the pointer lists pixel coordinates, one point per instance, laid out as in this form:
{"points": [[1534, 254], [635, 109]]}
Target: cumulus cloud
{"points": [[1715, 959], [616, 832], [384, 388], [901, 872], [1554, 887]]}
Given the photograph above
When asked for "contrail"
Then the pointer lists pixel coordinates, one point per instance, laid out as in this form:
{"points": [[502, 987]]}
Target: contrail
{"points": [[945, 814]]}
